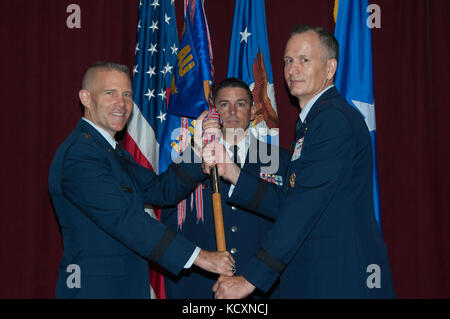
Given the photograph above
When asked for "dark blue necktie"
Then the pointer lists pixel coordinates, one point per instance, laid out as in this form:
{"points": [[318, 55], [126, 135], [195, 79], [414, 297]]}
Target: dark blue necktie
{"points": [[235, 150], [118, 150], [298, 129]]}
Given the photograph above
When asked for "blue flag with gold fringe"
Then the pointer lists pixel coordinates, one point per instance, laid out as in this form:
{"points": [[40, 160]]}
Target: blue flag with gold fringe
{"points": [[189, 94], [193, 75]]}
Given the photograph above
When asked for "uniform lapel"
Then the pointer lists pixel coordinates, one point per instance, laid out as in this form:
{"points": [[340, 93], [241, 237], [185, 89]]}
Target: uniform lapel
{"points": [[104, 146], [331, 93]]}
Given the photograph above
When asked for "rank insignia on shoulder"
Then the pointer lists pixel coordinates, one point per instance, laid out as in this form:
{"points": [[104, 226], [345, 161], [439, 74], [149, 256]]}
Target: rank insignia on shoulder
{"points": [[272, 178], [292, 180], [87, 136], [297, 149]]}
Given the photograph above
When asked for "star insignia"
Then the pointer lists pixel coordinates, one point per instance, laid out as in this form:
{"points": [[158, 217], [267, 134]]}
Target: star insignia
{"points": [[155, 4], [245, 35], [166, 18], [162, 94], [150, 94], [154, 26], [151, 71], [152, 48], [168, 68], [174, 49], [162, 116]]}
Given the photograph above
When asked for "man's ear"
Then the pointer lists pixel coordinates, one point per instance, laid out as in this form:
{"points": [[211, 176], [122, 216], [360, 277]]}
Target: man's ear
{"points": [[85, 97], [331, 68], [252, 112]]}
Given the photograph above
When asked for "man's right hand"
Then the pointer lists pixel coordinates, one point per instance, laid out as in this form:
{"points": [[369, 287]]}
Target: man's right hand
{"points": [[219, 262], [205, 128], [215, 154]]}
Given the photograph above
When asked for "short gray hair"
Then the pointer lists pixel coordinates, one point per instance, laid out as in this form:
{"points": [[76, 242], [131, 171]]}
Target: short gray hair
{"points": [[326, 38]]}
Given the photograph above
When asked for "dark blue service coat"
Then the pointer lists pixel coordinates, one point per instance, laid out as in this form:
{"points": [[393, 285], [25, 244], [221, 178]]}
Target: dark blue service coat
{"points": [[99, 197], [325, 242], [243, 230]]}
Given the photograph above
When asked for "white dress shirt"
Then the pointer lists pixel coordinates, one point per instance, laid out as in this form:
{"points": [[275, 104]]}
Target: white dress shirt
{"points": [[243, 147]]}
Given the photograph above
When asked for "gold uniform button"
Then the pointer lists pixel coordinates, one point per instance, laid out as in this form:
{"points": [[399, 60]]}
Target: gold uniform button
{"points": [[292, 180]]}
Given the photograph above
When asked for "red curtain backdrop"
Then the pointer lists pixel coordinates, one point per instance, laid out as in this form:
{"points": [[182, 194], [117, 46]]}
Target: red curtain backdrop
{"points": [[44, 61]]}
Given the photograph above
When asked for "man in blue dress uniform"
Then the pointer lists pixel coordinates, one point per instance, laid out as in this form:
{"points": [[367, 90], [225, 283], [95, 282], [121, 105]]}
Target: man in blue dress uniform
{"points": [[325, 242], [243, 230], [99, 192]]}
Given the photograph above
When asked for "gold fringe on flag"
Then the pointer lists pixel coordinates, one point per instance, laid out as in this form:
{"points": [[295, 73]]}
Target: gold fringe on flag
{"points": [[336, 4]]}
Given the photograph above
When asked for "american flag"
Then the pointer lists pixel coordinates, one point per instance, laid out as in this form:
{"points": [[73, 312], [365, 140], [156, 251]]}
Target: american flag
{"points": [[155, 57]]}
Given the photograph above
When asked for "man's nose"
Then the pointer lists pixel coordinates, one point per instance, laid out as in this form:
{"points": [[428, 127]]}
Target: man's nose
{"points": [[293, 68], [120, 100], [233, 109], [297, 66]]}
